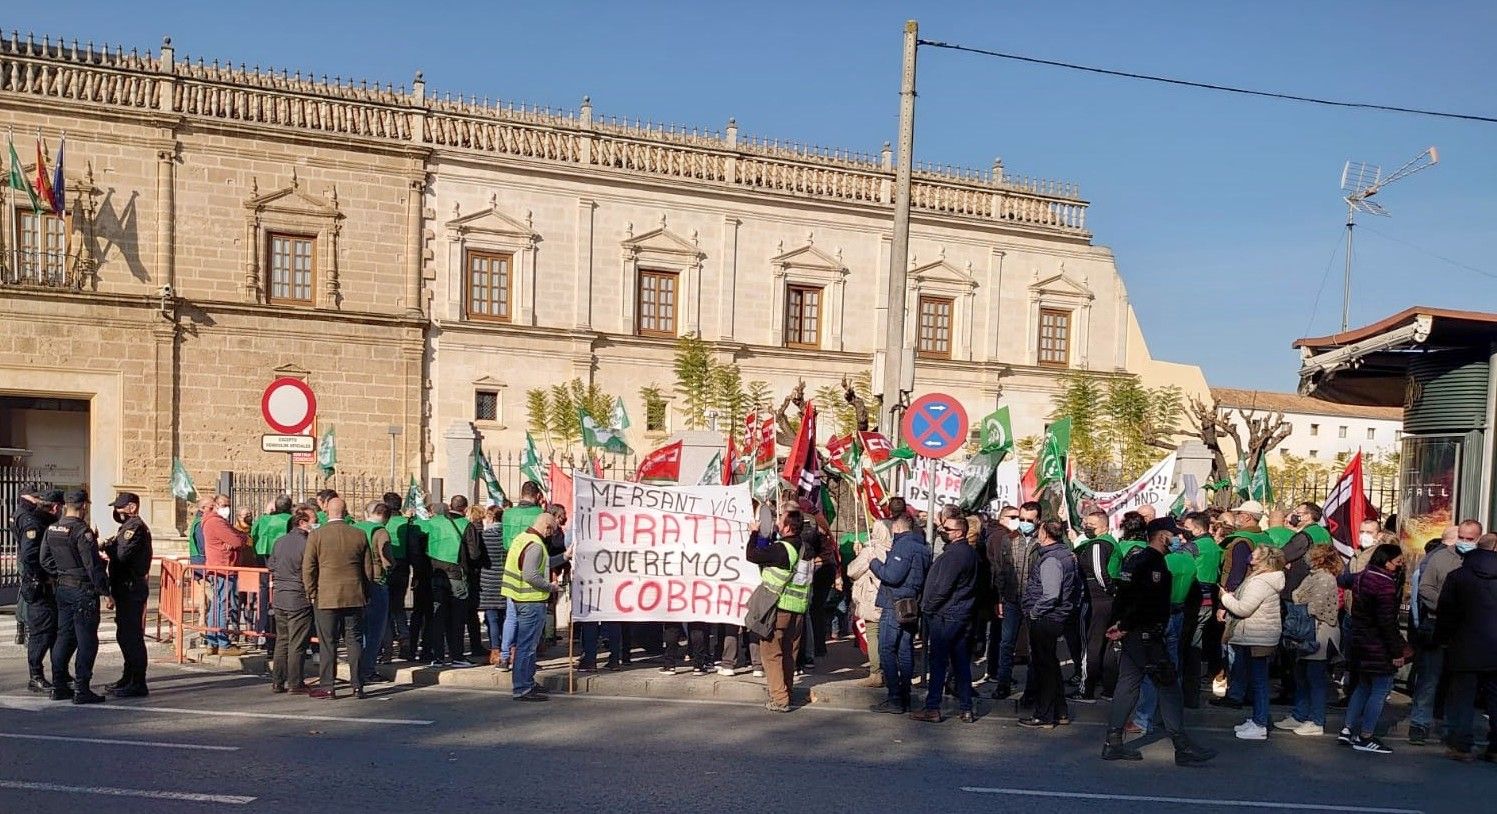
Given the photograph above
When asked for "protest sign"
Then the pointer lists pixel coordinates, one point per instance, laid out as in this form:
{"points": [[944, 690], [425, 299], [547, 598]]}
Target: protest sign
{"points": [[649, 553], [948, 482], [1006, 482], [1153, 488]]}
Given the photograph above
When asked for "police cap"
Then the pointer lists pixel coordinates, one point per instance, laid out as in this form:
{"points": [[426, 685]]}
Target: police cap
{"points": [[77, 497], [53, 496], [125, 499]]}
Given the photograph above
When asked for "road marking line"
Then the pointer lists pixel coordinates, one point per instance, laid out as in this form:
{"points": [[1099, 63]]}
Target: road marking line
{"points": [[116, 742], [188, 796], [273, 715], [1140, 798]]}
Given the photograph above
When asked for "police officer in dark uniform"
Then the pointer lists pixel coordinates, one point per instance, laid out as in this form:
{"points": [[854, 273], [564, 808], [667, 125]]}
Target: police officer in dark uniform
{"points": [[129, 553], [1140, 613], [70, 555], [36, 612]]}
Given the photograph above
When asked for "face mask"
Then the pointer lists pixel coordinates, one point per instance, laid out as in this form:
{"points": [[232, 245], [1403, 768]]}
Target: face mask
{"points": [[119, 517], [1026, 527], [1090, 531], [1465, 548], [1366, 540], [222, 511], [1294, 520], [1177, 544], [316, 526], [1011, 523]]}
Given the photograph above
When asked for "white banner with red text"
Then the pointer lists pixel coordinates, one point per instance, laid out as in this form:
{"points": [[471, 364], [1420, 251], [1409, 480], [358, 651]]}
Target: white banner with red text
{"points": [[645, 553]]}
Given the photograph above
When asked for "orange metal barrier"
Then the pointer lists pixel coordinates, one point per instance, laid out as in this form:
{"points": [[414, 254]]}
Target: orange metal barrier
{"points": [[185, 602]]}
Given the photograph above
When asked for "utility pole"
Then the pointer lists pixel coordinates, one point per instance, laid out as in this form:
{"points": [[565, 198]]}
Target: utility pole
{"points": [[899, 256]]}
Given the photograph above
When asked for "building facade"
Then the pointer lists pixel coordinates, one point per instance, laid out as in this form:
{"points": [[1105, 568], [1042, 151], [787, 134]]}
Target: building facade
{"points": [[422, 263], [1322, 431]]}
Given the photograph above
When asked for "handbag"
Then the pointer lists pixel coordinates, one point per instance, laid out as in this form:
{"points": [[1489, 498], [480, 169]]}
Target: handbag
{"points": [[907, 611], [762, 604]]}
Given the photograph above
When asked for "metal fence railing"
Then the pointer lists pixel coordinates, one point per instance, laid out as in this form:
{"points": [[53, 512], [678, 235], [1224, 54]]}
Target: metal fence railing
{"points": [[1382, 491]]}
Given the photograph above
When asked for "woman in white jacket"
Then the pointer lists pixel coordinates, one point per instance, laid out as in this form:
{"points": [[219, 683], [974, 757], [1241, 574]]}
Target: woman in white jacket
{"points": [[1254, 625], [865, 592]]}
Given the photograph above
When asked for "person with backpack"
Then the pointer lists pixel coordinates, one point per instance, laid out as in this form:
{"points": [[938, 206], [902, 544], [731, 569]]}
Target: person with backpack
{"points": [[1254, 626], [1318, 594]]}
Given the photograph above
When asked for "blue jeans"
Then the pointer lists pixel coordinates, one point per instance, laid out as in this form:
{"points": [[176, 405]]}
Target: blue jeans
{"points": [[376, 620], [1309, 690], [494, 620], [1237, 673], [507, 636], [223, 611], [1147, 712], [590, 636], [1366, 704], [1430, 664], [1257, 669], [949, 648], [896, 655], [530, 621], [1013, 617]]}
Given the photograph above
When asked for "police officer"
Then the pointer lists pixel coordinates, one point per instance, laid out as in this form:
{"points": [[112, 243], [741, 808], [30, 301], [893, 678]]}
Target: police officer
{"points": [[36, 612], [1141, 611], [70, 555], [129, 553]]}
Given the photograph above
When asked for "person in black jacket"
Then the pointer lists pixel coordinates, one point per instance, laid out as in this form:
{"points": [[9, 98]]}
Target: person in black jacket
{"points": [[129, 553], [1141, 611], [1466, 625], [950, 597], [36, 608], [1052, 594], [70, 556], [1092, 557]]}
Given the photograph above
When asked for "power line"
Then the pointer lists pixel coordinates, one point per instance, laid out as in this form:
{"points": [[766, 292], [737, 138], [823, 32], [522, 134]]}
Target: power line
{"points": [[1458, 264], [1209, 86], [1315, 307]]}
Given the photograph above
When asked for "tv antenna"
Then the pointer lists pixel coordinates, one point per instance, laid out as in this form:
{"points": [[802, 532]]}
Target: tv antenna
{"points": [[1359, 182]]}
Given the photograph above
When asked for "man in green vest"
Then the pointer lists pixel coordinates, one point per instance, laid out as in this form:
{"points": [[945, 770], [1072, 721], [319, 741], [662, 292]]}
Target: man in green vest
{"points": [[517, 519], [403, 531], [785, 568], [1094, 548], [321, 503], [451, 543], [1203, 648], [528, 587], [271, 526], [1278, 533], [376, 613]]}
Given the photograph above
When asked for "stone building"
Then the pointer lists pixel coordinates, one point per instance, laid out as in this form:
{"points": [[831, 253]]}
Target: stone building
{"points": [[423, 262]]}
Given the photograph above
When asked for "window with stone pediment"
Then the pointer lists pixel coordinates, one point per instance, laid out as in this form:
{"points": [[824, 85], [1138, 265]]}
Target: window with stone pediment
{"points": [[488, 285], [940, 304], [933, 336], [803, 316], [662, 271], [292, 236], [1055, 338], [1060, 307], [491, 261], [657, 303], [291, 266], [808, 296], [39, 247]]}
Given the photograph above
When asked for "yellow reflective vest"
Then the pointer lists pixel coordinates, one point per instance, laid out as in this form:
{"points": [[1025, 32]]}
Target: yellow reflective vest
{"points": [[514, 585]]}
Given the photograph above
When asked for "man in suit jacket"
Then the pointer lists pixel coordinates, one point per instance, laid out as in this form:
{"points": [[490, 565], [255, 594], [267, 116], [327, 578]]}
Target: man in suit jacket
{"points": [[337, 570]]}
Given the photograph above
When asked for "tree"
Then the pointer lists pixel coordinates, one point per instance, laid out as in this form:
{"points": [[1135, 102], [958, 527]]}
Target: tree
{"points": [[538, 413], [694, 380], [760, 395], [1117, 426], [552, 413], [1081, 399], [728, 398]]}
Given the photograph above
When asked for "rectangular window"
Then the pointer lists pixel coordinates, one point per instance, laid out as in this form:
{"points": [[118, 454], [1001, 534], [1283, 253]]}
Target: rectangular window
{"points": [[1341, 433], [1314, 430], [934, 338], [803, 317], [1055, 338], [41, 239], [486, 405], [657, 303], [488, 281], [291, 264], [1371, 433], [1314, 453], [655, 412]]}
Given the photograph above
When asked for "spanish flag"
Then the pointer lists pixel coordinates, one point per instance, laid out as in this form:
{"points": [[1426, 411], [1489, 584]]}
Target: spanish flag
{"points": [[43, 183]]}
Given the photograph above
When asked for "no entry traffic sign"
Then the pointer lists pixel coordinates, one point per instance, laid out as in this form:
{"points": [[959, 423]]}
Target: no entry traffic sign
{"points": [[288, 405], [935, 425]]}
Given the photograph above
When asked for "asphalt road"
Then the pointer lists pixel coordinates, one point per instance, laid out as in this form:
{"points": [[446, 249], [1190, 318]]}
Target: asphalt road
{"points": [[210, 742]]}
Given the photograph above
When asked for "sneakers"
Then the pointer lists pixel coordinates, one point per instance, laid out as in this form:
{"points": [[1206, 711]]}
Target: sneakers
{"points": [[667, 671], [503, 666], [727, 672], [1289, 724], [462, 663], [1309, 729], [758, 673], [1002, 692], [84, 695], [1188, 753], [776, 707], [700, 671], [873, 680], [1346, 738], [1035, 723], [1251, 731], [1372, 745], [1418, 735]]}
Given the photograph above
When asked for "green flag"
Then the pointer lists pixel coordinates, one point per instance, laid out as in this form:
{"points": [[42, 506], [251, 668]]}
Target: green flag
{"points": [[327, 454], [18, 179], [415, 500], [618, 419], [484, 471], [181, 484], [979, 484], [530, 462], [1053, 453], [713, 476], [1177, 509], [609, 439], [997, 431], [828, 506], [1259, 488], [1243, 481]]}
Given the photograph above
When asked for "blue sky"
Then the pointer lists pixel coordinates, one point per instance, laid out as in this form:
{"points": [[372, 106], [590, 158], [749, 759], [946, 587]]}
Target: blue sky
{"points": [[1224, 212]]}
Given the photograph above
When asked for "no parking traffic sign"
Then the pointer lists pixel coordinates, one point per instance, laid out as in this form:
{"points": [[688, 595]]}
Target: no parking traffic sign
{"points": [[935, 425]]}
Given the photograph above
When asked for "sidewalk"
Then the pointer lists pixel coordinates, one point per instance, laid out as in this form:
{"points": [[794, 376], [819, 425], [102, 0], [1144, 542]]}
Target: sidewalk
{"points": [[833, 685]]}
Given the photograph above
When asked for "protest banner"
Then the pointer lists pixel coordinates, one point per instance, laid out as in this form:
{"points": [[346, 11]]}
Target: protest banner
{"points": [[648, 553], [1153, 488], [948, 481], [1006, 481]]}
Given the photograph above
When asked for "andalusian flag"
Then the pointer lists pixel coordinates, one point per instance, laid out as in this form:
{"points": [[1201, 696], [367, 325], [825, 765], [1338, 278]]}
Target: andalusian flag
{"points": [[327, 454], [997, 431], [618, 419], [1259, 488], [18, 180], [610, 439], [415, 500], [1054, 453], [484, 471], [712, 475], [181, 483], [530, 463]]}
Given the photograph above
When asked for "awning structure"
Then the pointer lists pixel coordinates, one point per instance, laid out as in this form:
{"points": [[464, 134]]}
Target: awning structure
{"points": [[1369, 365]]}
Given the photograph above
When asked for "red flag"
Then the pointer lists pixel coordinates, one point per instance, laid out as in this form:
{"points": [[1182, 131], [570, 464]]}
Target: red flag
{"points": [[837, 449], [43, 183], [872, 490], [1346, 507], [758, 438], [663, 464], [802, 451], [876, 446], [1029, 485], [597, 466], [561, 488], [730, 461]]}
